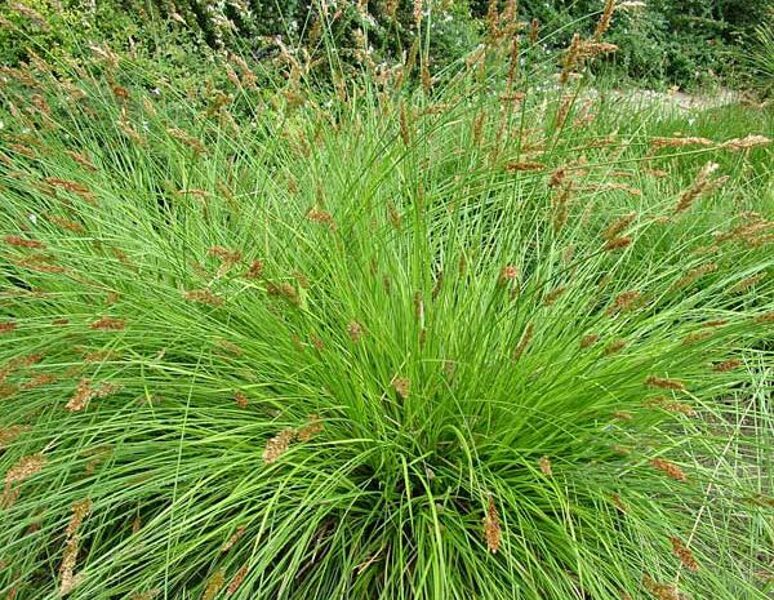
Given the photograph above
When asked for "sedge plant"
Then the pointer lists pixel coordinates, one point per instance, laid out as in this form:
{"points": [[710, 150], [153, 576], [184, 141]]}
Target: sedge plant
{"points": [[474, 338]]}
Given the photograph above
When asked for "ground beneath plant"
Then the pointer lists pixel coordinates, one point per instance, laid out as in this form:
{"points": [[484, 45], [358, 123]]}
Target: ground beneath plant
{"points": [[685, 101]]}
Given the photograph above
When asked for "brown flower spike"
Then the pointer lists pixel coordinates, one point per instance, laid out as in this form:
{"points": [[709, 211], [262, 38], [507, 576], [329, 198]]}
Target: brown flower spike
{"points": [[669, 468], [492, 531], [355, 331], [664, 383], [402, 386], [109, 324], [313, 426], [661, 591], [80, 399], [278, 445], [681, 551]]}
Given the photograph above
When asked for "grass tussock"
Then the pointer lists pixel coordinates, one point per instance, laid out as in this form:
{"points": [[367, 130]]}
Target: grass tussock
{"points": [[480, 339]]}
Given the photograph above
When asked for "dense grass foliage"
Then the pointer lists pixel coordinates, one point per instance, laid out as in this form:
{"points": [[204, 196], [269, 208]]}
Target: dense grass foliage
{"points": [[483, 339]]}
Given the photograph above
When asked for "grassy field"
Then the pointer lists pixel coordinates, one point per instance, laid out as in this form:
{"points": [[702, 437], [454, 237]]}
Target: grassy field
{"points": [[485, 336]]}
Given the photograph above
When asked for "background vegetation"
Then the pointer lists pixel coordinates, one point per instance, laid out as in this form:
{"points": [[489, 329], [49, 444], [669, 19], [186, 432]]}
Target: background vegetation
{"points": [[688, 43]]}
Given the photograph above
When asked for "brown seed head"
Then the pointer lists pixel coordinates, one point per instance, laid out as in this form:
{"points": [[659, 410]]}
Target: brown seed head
{"points": [[553, 295], [7, 390], [557, 177], [82, 160], [621, 450], [625, 301], [746, 143], [614, 347], [9, 434], [703, 184], [83, 394], [669, 468], [669, 405], [41, 263], [317, 342], [664, 383], [39, 380], [695, 274], [67, 579], [604, 21], [517, 166], [417, 12], [81, 509], [186, 139], [405, 132], [73, 187], [312, 428], [402, 386], [203, 296], [571, 58], [255, 269], [767, 317], [237, 580], [508, 273], [109, 324], [355, 331], [278, 445], [26, 467], [747, 283], [658, 143], [619, 225], [715, 323], [317, 215], [31, 14], [394, 216], [681, 551], [229, 543], [20, 242], [225, 255], [284, 289], [617, 243], [727, 365], [696, 337], [561, 206], [214, 585], [534, 31], [120, 92], [661, 591], [241, 399], [492, 531]]}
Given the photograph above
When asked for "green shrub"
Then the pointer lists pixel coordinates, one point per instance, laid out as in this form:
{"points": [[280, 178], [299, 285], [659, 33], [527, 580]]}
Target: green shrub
{"points": [[761, 59], [63, 28], [688, 43]]}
